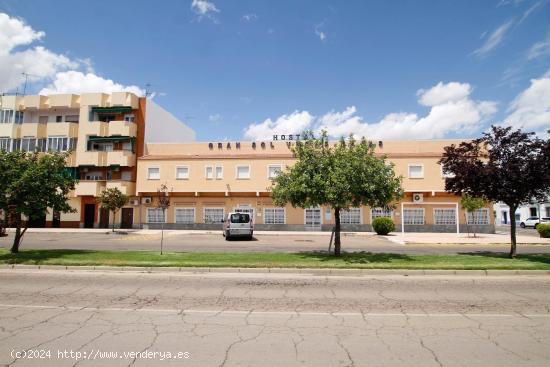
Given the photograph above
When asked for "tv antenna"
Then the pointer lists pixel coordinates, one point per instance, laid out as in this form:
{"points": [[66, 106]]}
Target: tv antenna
{"points": [[148, 91], [26, 75]]}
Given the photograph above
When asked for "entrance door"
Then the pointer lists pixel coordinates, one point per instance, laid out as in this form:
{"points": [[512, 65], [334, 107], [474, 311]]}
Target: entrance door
{"points": [[103, 218], [89, 214], [56, 220], [313, 219], [505, 217], [127, 218], [38, 222]]}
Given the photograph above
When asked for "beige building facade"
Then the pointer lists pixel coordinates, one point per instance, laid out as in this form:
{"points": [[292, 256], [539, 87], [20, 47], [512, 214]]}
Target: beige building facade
{"points": [[209, 179], [105, 134]]}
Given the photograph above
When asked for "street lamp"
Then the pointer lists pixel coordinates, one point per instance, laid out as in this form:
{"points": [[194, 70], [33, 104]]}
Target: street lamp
{"points": [[163, 203]]}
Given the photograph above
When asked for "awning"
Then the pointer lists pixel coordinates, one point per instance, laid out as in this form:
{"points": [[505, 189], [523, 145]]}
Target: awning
{"points": [[116, 109], [108, 138]]}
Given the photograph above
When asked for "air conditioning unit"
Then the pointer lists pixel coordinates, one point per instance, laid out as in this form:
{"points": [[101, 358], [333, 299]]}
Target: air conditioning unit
{"points": [[146, 200], [418, 198], [134, 202]]}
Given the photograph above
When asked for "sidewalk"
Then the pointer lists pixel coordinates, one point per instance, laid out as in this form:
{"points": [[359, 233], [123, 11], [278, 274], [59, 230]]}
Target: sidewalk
{"points": [[462, 238]]}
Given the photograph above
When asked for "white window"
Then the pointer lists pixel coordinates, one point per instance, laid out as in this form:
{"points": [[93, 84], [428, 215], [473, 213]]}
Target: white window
{"points": [[380, 212], [58, 144], [209, 172], [274, 215], [413, 216], [213, 215], [350, 216], [480, 216], [126, 175], [19, 116], [43, 119], [446, 175], [313, 217], [444, 216], [416, 171], [153, 173], [72, 118], [129, 118], [5, 144], [243, 172], [28, 144], [185, 215], [219, 172], [273, 170], [155, 215], [6, 116], [182, 172]]}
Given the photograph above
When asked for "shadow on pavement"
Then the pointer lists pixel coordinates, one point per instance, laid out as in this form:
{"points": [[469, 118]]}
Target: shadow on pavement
{"points": [[356, 257]]}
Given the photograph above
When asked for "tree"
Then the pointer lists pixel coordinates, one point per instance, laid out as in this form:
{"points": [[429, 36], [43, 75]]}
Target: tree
{"points": [[342, 175], [113, 200], [470, 205], [163, 203], [30, 184], [503, 165]]}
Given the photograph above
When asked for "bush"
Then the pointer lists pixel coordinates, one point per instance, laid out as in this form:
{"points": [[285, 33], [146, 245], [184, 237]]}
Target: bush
{"points": [[544, 230], [383, 225]]}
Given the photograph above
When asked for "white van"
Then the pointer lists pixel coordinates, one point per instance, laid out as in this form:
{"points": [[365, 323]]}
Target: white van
{"points": [[238, 225]]}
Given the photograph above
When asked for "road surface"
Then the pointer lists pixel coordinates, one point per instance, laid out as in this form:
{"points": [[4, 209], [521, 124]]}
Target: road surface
{"points": [[178, 241], [100, 318]]}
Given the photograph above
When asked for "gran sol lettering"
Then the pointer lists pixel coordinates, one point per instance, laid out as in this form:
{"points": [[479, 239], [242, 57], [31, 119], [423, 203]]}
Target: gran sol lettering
{"points": [[286, 137]]}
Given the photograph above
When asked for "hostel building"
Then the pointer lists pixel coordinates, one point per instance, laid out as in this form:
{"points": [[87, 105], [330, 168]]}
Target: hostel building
{"points": [[208, 179], [105, 133]]}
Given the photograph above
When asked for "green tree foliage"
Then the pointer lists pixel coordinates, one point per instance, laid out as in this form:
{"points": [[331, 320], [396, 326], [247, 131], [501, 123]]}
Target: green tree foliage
{"points": [[113, 200], [502, 165], [342, 175], [470, 205], [30, 185]]}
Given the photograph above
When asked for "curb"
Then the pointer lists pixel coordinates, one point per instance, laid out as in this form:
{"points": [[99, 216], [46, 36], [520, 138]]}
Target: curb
{"points": [[302, 271]]}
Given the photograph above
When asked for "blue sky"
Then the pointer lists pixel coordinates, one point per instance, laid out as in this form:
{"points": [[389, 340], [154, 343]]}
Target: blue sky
{"points": [[226, 67]]}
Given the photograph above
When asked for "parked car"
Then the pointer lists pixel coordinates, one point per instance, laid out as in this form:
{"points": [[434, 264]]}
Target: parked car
{"points": [[238, 225], [534, 221]]}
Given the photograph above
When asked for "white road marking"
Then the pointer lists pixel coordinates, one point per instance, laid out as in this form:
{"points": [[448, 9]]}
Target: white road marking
{"points": [[238, 312]]}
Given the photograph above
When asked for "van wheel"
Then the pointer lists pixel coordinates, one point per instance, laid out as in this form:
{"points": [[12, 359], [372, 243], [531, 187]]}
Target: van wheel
{"points": [[522, 225], [227, 235], [536, 225]]}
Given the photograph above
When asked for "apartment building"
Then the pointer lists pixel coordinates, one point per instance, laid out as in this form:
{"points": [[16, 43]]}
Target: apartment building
{"points": [[105, 134], [208, 179]]}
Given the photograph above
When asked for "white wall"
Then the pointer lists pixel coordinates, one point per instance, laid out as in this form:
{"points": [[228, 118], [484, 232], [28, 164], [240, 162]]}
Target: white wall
{"points": [[162, 127]]}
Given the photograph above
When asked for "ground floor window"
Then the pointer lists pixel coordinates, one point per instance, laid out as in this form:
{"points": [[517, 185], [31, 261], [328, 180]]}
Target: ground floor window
{"points": [[274, 216], [155, 215], [413, 216], [5, 144], [313, 217], [213, 215], [480, 216], [380, 212], [548, 211], [185, 215], [350, 216], [444, 216]]}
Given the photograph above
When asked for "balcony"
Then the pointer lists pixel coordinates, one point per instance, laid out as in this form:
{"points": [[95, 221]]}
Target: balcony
{"points": [[69, 129], [97, 128], [126, 187], [89, 188], [122, 128], [124, 99], [122, 158], [64, 100], [92, 158], [36, 102]]}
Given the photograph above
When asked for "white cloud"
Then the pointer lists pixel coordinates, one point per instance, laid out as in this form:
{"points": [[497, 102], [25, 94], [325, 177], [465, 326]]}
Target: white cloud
{"points": [[78, 82], [451, 111], [541, 48], [215, 117], [64, 75], [249, 17], [494, 39], [294, 123], [36, 61], [530, 110], [531, 9], [205, 9], [322, 35]]}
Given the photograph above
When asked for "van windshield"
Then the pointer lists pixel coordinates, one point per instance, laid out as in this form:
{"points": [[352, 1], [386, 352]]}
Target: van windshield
{"points": [[240, 218]]}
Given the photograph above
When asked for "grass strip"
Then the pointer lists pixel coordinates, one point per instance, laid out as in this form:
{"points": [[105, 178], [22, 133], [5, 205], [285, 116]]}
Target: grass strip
{"points": [[362, 260]]}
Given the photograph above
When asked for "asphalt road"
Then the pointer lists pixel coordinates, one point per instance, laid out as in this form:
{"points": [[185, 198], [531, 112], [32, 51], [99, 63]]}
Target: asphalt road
{"points": [[272, 319], [175, 241]]}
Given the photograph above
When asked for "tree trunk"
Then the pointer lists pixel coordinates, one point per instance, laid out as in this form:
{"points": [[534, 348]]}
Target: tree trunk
{"points": [[114, 215], [18, 235], [474, 220], [337, 245], [512, 231], [467, 225]]}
